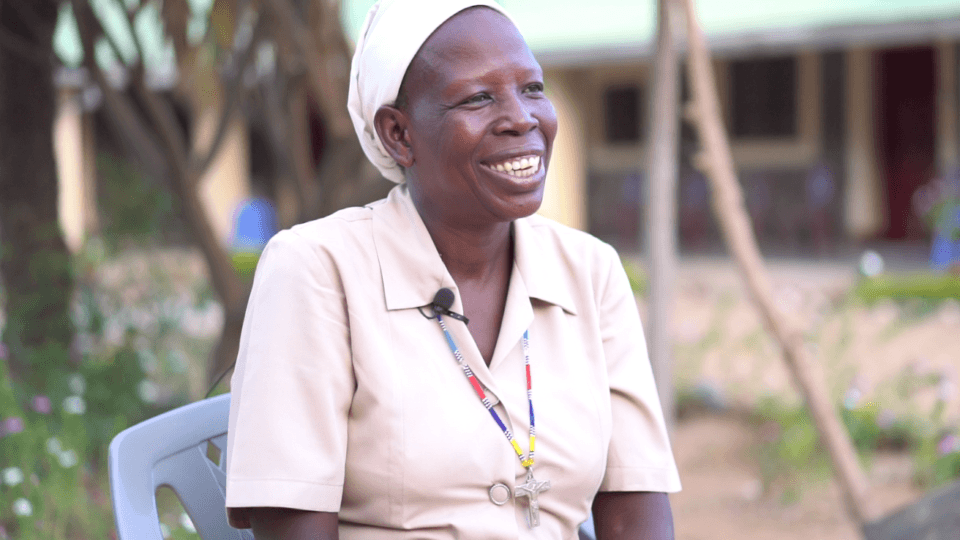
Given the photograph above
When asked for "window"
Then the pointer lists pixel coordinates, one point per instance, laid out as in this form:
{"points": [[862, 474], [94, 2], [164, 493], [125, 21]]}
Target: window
{"points": [[764, 97], [621, 113]]}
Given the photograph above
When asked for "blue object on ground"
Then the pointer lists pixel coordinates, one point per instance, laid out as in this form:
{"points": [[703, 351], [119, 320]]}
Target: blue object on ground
{"points": [[254, 225], [945, 247]]}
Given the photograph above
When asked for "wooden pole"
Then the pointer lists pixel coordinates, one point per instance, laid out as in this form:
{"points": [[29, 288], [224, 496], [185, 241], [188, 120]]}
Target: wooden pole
{"points": [[661, 215], [735, 225]]}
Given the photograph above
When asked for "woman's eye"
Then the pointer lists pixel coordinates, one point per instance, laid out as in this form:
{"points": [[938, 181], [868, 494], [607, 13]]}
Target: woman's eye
{"points": [[477, 99], [534, 88]]}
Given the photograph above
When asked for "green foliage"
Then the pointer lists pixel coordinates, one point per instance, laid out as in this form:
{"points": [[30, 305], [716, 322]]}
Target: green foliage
{"points": [[636, 275], [135, 341], [790, 448], [245, 263], [932, 288], [133, 209]]}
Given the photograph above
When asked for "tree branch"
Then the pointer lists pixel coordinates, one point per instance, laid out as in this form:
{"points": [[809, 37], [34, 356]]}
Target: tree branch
{"points": [[322, 85], [114, 46], [735, 223], [30, 19], [23, 48], [225, 280], [131, 24], [234, 91], [121, 111]]}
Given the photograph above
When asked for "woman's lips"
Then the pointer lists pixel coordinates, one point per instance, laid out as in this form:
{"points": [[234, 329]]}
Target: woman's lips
{"points": [[520, 167]]}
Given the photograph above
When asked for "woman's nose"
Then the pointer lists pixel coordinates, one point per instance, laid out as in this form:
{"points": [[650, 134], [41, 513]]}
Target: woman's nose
{"points": [[517, 117]]}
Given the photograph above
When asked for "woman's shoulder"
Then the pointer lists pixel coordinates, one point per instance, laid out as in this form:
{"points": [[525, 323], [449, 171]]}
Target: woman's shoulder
{"points": [[331, 231], [567, 241], [330, 241]]}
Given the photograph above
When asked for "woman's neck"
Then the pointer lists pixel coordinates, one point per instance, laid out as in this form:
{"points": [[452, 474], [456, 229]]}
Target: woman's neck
{"points": [[472, 254]]}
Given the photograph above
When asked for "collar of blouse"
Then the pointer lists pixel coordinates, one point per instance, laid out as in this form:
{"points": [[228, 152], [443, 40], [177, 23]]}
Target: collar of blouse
{"points": [[412, 270]]}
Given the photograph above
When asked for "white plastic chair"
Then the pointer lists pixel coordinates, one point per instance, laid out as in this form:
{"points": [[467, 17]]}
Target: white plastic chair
{"points": [[173, 450]]}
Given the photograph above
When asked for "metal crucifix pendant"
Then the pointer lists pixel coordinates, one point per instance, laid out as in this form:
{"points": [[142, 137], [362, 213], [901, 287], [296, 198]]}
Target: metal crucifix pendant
{"points": [[530, 489]]}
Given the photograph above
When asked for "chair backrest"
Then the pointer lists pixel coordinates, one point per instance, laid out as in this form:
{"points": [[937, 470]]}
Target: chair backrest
{"points": [[936, 516], [171, 450]]}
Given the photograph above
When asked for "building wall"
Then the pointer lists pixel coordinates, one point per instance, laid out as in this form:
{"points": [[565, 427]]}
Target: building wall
{"points": [[948, 106], [224, 186], [76, 169], [861, 188], [565, 193]]}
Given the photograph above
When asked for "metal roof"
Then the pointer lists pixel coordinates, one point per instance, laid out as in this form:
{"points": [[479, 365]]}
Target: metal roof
{"points": [[568, 32]]}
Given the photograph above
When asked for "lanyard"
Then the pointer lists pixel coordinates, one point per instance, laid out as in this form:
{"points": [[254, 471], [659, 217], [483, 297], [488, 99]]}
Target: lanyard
{"points": [[526, 462], [530, 488]]}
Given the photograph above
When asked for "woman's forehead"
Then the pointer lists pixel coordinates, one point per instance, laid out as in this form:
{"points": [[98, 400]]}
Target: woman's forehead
{"points": [[470, 42], [471, 27]]}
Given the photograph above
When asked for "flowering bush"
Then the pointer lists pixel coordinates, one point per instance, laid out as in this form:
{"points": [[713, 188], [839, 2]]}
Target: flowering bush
{"points": [[144, 327]]}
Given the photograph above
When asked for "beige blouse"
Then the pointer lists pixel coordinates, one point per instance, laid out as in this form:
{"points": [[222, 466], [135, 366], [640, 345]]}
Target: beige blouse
{"points": [[347, 399]]}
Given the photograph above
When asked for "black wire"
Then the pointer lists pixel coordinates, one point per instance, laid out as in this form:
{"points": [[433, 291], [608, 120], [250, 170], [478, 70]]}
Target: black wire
{"points": [[220, 378]]}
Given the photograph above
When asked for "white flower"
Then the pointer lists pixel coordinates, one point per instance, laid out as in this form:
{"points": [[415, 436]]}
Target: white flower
{"points": [[12, 476], [68, 459], [187, 522], [54, 446], [148, 362], [148, 390], [871, 263], [22, 507], [77, 384], [75, 405], [177, 361]]}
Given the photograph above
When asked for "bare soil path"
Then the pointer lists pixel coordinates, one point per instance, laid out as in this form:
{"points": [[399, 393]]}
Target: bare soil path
{"points": [[723, 494], [720, 344]]}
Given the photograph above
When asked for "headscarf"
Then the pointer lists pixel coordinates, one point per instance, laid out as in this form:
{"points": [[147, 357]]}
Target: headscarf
{"points": [[392, 33]]}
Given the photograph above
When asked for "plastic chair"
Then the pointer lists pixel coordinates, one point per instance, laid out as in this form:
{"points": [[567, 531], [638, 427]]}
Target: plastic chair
{"points": [[171, 450], [934, 517], [174, 450]]}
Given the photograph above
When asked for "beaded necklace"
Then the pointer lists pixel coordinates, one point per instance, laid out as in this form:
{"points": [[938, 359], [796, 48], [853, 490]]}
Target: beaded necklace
{"points": [[531, 487]]}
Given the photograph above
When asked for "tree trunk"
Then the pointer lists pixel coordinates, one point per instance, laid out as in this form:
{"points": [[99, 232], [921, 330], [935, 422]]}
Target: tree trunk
{"points": [[34, 260], [735, 224], [661, 218]]}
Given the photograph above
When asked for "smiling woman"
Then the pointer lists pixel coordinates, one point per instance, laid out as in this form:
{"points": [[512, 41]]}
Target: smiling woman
{"points": [[391, 353], [474, 121]]}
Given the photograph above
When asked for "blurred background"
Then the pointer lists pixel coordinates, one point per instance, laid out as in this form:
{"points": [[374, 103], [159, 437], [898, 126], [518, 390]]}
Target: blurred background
{"points": [[149, 149]]}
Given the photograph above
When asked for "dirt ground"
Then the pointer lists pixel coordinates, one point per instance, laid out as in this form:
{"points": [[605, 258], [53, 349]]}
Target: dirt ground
{"points": [[721, 345], [722, 491]]}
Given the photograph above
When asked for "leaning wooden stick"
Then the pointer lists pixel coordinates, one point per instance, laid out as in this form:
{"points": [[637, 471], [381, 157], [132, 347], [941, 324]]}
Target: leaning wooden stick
{"points": [[735, 225]]}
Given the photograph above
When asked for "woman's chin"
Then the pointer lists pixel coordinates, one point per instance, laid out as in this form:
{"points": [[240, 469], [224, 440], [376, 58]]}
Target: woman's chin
{"points": [[520, 205]]}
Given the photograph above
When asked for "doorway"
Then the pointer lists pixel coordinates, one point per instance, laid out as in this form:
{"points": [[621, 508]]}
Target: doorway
{"points": [[906, 133]]}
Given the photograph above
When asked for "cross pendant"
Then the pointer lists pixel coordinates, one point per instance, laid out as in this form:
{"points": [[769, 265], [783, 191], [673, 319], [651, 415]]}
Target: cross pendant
{"points": [[530, 489]]}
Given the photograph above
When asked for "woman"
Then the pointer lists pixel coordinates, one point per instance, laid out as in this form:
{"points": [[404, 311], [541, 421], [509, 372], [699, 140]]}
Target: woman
{"points": [[365, 404]]}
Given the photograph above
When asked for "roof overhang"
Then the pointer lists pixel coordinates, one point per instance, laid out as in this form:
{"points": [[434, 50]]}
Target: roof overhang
{"points": [[568, 33]]}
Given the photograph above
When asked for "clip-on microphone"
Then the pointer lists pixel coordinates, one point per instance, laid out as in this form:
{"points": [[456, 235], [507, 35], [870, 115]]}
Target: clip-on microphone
{"points": [[442, 302]]}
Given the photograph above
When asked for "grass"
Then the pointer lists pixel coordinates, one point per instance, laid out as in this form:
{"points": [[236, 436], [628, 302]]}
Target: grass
{"points": [[933, 288]]}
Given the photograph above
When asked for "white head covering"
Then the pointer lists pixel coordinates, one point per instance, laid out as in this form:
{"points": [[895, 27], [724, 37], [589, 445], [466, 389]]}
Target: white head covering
{"points": [[390, 37]]}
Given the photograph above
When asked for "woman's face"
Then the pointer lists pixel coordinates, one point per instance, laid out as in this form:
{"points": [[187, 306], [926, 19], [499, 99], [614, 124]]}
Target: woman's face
{"points": [[479, 127]]}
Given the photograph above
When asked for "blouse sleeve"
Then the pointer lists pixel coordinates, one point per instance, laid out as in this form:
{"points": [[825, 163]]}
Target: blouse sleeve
{"points": [[639, 456], [292, 387]]}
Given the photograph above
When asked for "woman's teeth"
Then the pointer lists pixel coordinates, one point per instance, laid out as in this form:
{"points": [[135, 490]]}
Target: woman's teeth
{"points": [[522, 167]]}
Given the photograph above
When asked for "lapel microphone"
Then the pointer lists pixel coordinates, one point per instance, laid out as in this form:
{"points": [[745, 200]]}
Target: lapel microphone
{"points": [[442, 302]]}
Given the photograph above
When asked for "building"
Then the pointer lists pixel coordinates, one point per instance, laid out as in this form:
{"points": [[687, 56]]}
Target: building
{"points": [[837, 112]]}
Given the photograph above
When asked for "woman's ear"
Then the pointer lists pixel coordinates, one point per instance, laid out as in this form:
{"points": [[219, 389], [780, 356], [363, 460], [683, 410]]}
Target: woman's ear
{"points": [[391, 124]]}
